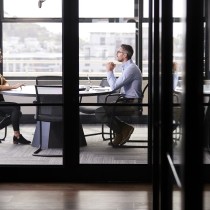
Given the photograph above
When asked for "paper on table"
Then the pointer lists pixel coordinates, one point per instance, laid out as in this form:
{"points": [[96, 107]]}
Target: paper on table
{"points": [[102, 89]]}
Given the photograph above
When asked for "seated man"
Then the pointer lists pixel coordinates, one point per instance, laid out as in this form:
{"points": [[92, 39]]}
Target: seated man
{"points": [[130, 83], [175, 75], [12, 111]]}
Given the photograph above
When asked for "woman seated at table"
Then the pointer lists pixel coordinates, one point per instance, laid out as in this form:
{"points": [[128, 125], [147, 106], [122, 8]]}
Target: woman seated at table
{"points": [[12, 111]]}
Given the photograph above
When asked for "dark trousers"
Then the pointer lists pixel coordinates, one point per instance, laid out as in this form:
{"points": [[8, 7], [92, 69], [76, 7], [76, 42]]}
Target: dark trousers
{"points": [[110, 115]]}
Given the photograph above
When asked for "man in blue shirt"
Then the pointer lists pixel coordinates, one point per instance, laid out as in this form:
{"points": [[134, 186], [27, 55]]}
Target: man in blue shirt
{"points": [[130, 83], [175, 75]]}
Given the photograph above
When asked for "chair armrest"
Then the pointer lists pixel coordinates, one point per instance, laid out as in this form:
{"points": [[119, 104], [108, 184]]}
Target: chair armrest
{"points": [[116, 96]]}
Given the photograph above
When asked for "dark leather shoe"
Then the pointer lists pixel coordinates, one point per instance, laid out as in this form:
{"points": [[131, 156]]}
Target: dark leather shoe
{"points": [[20, 140], [126, 133], [116, 141]]}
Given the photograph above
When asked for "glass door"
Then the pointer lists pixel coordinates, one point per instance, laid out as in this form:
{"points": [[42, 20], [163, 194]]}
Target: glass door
{"points": [[101, 33]]}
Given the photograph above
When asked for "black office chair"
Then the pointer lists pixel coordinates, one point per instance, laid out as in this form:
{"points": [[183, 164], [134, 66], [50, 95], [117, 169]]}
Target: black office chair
{"points": [[49, 108], [177, 128], [131, 117], [4, 122], [49, 80], [90, 110]]}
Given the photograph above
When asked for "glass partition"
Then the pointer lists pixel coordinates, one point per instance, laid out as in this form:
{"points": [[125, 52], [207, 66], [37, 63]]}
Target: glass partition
{"points": [[101, 32], [31, 46]]}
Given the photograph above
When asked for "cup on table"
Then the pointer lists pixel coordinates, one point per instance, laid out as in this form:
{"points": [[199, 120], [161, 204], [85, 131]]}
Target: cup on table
{"points": [[87, 87]]}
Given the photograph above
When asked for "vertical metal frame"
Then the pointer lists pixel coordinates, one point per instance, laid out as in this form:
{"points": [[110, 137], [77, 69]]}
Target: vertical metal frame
{"points": [[192, 151], [71, 61], [162, 104], [166, 53], [154, 93], [206, 37], [193, 108], [1, 37]]}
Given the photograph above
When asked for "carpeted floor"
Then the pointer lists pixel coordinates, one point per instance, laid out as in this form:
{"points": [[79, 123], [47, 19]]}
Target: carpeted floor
{"points": [[97, 151], [22, 154]]}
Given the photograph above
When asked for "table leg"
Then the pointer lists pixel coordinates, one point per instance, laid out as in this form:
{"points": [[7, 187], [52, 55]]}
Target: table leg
{"points": [[52, 135], [82, 136]]}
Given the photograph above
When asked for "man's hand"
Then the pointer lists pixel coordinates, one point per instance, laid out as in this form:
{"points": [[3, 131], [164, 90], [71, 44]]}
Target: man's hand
{"points": [[110, 66]]}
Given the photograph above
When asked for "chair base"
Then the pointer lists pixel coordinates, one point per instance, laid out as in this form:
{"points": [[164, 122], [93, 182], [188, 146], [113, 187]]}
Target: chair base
{"points": [[5, 135], [44, 155], [133, 146], [102, 133]]}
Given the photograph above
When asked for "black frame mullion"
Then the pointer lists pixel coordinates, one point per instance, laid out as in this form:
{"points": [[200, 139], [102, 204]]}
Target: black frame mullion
{"points": [[193, 108], [155, 105], [166, 53], [206, 38]]}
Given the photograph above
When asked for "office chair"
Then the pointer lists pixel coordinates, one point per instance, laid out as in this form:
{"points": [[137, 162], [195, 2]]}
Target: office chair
{"points": [[49, 108], [4, 122], [177, 129], [128, 116], [49, 80], [90, 110]]}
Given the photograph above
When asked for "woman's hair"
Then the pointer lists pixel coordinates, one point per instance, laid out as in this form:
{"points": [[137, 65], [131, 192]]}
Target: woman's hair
{"points": [[128, 50]]}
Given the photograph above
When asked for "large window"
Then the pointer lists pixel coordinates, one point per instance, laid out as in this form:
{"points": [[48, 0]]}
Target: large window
{"points": [[32, 37], [103, 30]]}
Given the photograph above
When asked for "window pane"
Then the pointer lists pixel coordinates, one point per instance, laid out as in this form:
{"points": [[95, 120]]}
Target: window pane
{"points": [[145, 47], [32, 48], [108, 8], [29, 8], [178, 8], [178, 43], [146, 8], [99, 42]]}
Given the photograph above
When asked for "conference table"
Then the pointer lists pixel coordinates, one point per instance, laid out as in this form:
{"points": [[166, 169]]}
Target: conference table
{"points": [[52, 131], [85, 91]]}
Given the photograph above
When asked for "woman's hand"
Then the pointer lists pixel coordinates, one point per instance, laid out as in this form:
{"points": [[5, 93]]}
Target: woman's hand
{"points": [[17, 85]]}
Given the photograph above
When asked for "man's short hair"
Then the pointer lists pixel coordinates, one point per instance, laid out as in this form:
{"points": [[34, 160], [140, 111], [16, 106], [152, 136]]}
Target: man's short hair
{"points": [[128, 49]]}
